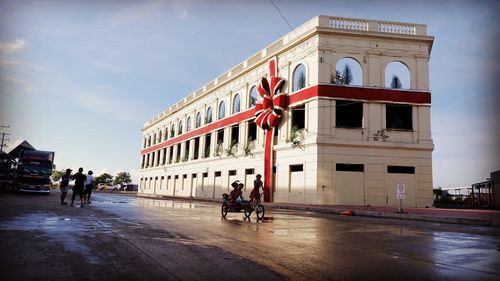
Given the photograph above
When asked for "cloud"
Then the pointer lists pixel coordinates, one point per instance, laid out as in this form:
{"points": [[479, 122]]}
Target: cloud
{"points": [[12, 47], [146, 10]]}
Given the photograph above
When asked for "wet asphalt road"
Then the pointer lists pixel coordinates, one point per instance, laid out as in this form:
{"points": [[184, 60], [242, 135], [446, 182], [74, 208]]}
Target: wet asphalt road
{"points": [[121, 237]]}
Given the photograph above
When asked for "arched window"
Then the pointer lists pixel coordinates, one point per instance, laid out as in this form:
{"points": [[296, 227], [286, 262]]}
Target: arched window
{"points": [[179, 128], [222, 109], [299, 78], [252, 97], [209, 116], [188, 124], [347, 71], [198, 120], [236, 103], [172, 131], [145, 143], [149, 141], [154, 138], [397, 76], [166, 133], [160, 137]]}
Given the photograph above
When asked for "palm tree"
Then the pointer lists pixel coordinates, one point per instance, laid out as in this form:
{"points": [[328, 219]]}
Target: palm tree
{"points": [[396, 83]]}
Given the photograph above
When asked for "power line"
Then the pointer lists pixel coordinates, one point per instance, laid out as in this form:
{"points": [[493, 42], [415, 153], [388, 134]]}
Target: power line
{"points": [[283, 17]]}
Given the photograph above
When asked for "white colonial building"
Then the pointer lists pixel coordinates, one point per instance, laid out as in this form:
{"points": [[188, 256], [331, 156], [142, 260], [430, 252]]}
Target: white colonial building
{"points": [[356, 123]]}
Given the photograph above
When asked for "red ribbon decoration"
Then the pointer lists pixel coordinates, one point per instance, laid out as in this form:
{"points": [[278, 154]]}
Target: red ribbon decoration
{"points": [[268, 113]]}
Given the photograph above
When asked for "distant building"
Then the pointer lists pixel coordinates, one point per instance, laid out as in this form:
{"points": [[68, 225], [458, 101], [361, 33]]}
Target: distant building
{"points": [[495, 189], [346, 137]]}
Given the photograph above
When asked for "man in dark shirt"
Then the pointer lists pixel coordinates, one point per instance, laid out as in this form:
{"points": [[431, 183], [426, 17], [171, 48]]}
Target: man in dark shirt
{"points": [[79, 185]]}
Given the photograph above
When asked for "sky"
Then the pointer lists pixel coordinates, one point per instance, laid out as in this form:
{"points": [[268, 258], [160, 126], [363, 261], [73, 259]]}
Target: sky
{"points": [[82, 77]]}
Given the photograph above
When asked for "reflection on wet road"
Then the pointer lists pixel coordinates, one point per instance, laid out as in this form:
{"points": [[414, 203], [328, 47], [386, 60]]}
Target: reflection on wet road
{"points": [[304, 245], [121, 237]]}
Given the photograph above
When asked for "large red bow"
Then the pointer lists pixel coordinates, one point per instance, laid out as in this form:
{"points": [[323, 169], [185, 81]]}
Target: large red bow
{"points": [[270, 109]]}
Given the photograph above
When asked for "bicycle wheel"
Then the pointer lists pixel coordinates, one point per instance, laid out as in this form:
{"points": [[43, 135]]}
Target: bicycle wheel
{"points": [[224, 210], [248, 211], [259, 211]]}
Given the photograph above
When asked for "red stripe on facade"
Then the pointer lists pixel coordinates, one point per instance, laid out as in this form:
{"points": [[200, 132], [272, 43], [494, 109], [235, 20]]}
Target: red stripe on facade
{"points": [[331, 91], [358, 93], [242, 116]]}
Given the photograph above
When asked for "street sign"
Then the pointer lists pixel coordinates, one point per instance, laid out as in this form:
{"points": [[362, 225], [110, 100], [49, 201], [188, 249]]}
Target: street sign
{"points": [[401, 191]]}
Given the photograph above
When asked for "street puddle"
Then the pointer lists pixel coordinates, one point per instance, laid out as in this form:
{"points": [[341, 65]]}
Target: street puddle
{"points": [[56, 229]]}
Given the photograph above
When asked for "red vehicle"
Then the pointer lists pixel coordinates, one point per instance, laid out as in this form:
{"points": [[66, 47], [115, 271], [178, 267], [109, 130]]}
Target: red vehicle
{"points": [[245, 206]]}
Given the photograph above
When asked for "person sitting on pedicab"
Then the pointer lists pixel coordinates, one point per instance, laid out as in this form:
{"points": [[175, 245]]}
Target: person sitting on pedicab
{"points": [[234, 193], [239, 194]]}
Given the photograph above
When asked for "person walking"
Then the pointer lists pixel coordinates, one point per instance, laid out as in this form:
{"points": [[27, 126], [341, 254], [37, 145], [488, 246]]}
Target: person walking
{"points": [[79, 185], [64, 186], [89, 184]]}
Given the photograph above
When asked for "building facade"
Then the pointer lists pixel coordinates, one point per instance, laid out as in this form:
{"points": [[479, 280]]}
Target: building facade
{"points": [[355, 122]]}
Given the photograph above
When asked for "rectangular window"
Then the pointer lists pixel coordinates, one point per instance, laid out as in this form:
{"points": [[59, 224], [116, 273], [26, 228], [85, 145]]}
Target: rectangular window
{"points": [[208, 142], [164, 158], [398, 117], [249, 171], [184, 176], [153, 159], [169, 177], [196, 148], [350, 167], [218, 174], [252, 130], [235, 134], [205, 175], [186, 150], [348, 114], [176, 177], [299, 117], [147, 161], [158, 158], [219, 142], [143, 160], [232, 172], [171, 151], [220, 136], [178, 158], [400, 170], [194, 176], [296, 168]]}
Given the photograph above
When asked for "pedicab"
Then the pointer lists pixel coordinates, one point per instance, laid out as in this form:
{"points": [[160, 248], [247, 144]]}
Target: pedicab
{"points": [[247, 207]]}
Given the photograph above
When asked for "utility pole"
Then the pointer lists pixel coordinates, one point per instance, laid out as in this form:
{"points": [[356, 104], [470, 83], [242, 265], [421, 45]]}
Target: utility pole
{"points": [[2, 145]]}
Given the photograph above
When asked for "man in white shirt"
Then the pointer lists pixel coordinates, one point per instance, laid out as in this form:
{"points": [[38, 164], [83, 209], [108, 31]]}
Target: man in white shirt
{"points": [[89, 184]]}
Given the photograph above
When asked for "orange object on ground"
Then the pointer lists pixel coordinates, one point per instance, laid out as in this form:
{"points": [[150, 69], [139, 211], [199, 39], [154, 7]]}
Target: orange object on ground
{"points": [[347, 213]]}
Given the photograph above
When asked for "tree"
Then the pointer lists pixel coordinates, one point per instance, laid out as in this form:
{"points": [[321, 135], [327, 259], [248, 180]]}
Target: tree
{"points": [[336, 78], [396, 83], [121, 178], [104, 178], [301, 83], [57, 175], [346, 75]]}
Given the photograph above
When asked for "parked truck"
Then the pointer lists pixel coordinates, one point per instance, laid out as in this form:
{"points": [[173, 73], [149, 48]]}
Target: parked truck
{"points": [[33, 172]]}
